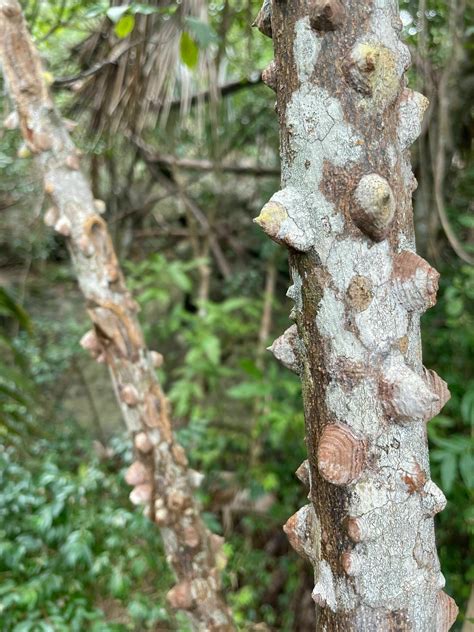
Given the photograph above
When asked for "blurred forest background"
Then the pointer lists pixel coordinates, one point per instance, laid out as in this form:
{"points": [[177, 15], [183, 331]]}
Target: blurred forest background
{"points": [[180, 140]]}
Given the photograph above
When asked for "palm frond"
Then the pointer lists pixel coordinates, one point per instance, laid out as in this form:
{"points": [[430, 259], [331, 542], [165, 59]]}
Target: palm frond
{"points": [[143, 74]]}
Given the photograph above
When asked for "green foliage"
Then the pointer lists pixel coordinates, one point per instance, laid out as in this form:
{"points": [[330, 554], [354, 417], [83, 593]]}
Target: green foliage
{"points": [[189, 50], [19, 398], [73, 553]]}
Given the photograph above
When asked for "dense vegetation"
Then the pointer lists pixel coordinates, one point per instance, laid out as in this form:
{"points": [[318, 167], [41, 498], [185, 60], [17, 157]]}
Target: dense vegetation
{"points": [[74, 554]]}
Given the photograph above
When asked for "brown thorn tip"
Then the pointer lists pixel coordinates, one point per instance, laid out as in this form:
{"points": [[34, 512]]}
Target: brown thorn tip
{"points": [[143, 443], [89, 342], [263, 21], [373, 207], [141, 494], [72, 162], [180, 596], [303, 473], [341, 454], [156, 359], [269, 76], [63, 226], [415, 281], [350, 563], [446, 612], [286, 349], [301, 530], [129, 395], [137, 474], [439, 388], [354, 529]]}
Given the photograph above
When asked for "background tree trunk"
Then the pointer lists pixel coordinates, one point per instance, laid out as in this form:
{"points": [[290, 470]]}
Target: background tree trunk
{"points": [[345, 213], [160, 476]]}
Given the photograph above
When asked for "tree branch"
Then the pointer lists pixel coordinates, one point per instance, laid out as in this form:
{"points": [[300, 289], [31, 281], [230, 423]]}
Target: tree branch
{"points": [[190, 204], [195, 164], [159, 475]]}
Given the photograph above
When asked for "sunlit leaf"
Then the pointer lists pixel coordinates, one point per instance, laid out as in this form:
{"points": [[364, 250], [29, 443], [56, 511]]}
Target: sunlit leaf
{"points": [[124, 26], [188, 50]]}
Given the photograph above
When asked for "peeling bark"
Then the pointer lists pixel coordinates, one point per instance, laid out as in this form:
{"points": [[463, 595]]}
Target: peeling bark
{"points": [[345, 214], [159, 476]]}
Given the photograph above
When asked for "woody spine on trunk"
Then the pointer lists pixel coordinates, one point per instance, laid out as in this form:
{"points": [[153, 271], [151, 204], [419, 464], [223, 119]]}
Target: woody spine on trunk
{"points": [[344, 212]]}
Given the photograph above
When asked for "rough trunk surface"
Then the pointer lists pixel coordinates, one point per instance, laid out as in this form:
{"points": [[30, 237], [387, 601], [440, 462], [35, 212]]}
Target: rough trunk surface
{"points": [[160, 477], [344, 212]]}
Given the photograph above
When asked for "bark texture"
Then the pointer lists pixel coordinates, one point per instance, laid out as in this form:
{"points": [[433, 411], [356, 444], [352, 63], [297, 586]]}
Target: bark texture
{"points": [[160, 476], [344, 212]]}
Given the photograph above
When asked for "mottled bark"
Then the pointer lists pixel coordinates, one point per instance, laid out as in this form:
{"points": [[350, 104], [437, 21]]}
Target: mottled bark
{"points": [[344, 212], [160, 476]]}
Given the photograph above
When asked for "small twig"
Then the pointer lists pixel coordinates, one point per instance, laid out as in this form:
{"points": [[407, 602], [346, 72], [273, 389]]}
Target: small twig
{"points": [[195, 164], [191, 205], [63, 82]]}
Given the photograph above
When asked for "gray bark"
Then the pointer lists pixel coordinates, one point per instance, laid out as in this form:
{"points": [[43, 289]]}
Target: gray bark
{"points": [[344, 212]]}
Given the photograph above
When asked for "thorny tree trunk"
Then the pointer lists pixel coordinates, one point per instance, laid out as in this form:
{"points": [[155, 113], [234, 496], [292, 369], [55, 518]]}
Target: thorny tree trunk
{"points": [[344, 213], [160, 475]]}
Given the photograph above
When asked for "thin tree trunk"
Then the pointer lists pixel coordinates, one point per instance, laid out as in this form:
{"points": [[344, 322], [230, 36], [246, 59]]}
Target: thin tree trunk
{"points": [[344, 212], [261, 404], [451, 72], [160, 475]]}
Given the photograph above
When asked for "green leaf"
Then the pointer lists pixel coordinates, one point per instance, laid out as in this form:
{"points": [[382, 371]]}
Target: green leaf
{"points": [[180, 278], [466, 467], [270, 482], [467, 407], [232, 304], [115, 13], [455, 307], [467, 221], [211, 347], [77, 549], [124, 26], [202, 32], [246, 390], [188, 50], [118, 584], [448, 471], [251, 368], [10, 308]]}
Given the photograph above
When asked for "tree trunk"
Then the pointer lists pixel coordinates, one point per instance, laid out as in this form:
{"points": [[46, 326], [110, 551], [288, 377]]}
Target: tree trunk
{"points": [[160, 476], [345, 214]]}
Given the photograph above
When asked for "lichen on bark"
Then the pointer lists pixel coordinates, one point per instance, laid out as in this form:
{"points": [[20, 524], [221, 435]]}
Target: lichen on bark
{"points": [[346, 121]]}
